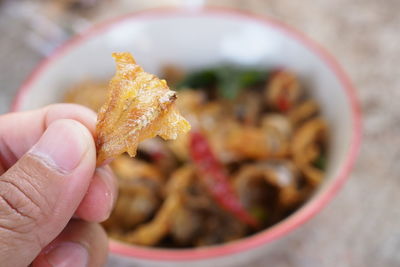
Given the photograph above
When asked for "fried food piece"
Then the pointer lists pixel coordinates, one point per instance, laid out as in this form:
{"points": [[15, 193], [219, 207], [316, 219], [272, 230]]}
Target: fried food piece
{"points": [[136, 206], [282, 174], [127, 168], [186, 225], [305, 148], [282, 91], [257, 143], [247, 107], [139, 106], [140, 194], [305, 139], [151, 233], [279, 123], [303, 111]]}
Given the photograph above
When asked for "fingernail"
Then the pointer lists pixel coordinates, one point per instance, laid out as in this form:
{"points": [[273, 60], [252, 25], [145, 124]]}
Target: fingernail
{"points": [[63, 145], [68, 254]]}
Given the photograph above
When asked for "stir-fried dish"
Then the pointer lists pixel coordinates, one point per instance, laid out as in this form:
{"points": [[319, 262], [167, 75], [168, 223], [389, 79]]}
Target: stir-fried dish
{"points": [[255, 154]]}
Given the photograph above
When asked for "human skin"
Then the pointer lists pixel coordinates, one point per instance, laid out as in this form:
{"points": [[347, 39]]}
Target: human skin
{"points": [[52, 196]]}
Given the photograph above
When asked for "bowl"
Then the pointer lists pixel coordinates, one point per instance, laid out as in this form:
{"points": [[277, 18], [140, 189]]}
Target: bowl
{"points": [[193, 38]]}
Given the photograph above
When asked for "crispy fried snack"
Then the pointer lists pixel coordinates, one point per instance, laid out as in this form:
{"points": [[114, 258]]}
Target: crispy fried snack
{"points": [[305, 148], [152, 232], [139, 106]]}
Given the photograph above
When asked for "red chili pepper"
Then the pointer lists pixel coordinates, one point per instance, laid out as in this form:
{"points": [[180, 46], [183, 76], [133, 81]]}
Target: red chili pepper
{"points": [[216, 179], [157, 155], [283, 103]]}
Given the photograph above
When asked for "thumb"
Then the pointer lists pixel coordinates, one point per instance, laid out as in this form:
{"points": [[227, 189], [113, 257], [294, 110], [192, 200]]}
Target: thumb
{"points": [[39, 194]]}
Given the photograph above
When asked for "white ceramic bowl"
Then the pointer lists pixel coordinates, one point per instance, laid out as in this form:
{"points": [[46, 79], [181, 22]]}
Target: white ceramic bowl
{"points": [[196, 38]]}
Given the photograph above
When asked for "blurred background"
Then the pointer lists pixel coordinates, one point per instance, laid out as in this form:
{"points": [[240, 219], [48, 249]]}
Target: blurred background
{"points": [[360, 227]]}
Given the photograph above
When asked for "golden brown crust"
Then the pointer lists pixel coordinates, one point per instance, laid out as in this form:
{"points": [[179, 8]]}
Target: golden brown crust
{"points": [[139, 106]]}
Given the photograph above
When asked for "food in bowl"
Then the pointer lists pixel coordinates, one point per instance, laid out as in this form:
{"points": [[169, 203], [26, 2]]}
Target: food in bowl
{"points": [[256, 153]]}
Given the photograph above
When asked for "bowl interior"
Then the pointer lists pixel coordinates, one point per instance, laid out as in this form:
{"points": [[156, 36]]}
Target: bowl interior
{"points": [[192, 40]]}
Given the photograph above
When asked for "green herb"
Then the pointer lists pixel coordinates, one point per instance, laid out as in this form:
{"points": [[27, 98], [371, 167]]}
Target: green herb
{"points": [[320, 162], [199, 79], [228, 80], [232, 81]]}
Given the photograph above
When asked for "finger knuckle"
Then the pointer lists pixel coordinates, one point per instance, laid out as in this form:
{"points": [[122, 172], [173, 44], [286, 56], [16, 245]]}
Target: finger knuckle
{"points": [[23, 206]]}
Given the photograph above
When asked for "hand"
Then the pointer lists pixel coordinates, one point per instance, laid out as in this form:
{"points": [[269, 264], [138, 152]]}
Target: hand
{"points": [[48, 175]]}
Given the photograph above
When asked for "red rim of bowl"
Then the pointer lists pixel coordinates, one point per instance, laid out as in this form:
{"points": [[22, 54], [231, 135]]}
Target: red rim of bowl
{"points": [[284, 227]]}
